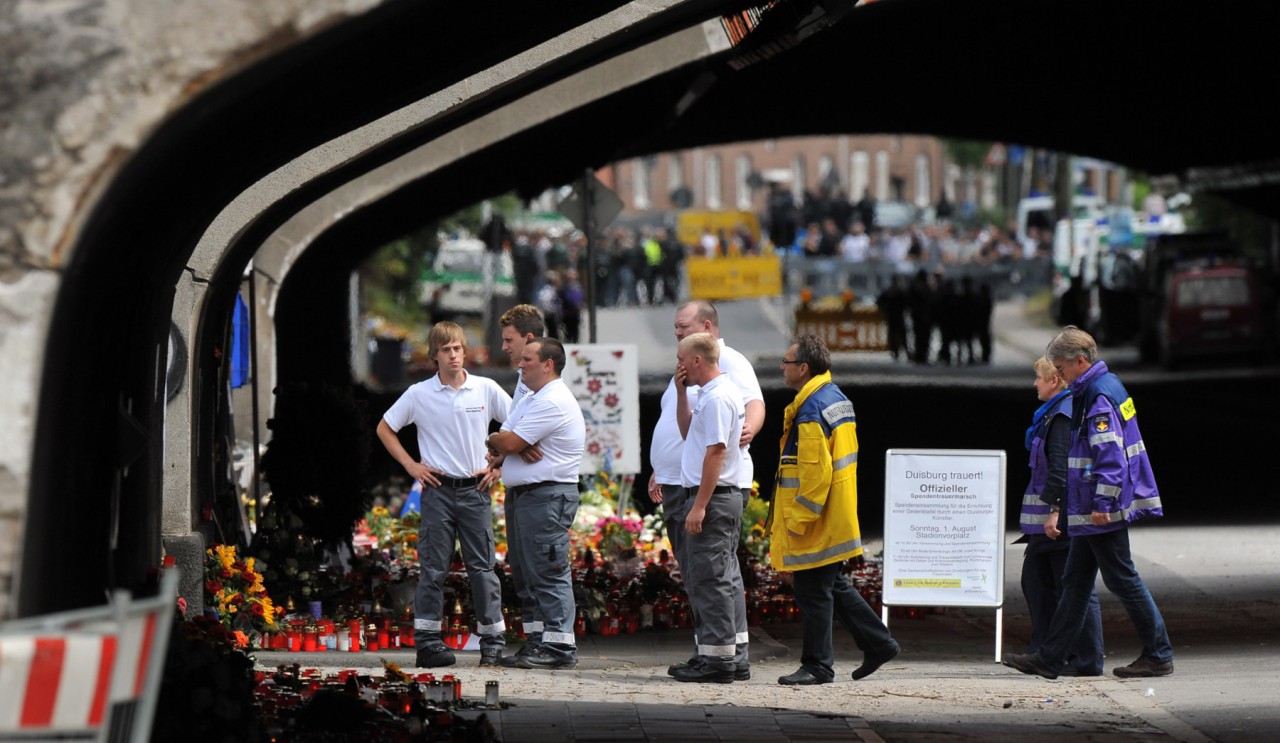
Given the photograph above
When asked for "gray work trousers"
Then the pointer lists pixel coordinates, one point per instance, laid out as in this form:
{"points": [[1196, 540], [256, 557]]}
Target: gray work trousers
{"points": [[456, 515], [544, 515], [530, 621], [675, 508], [713, 579]]}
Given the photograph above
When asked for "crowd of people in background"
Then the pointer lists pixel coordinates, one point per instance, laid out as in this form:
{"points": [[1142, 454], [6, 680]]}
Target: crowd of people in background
{"points": [[935, 309]]}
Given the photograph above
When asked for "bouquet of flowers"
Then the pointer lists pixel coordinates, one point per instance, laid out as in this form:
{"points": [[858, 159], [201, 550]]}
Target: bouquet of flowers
{"points": [[234, 589], [617, 534]]}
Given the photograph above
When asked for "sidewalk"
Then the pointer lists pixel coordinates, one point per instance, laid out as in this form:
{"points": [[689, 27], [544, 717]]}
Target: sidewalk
{"points": [[1215, 585]]}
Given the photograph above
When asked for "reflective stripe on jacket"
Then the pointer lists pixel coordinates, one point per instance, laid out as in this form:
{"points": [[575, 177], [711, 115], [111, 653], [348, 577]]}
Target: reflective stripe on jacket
{"points": [[1034, 509], [1107, 469], [814, 515]]}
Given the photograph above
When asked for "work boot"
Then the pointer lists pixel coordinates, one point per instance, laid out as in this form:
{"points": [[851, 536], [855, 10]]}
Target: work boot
{"points": [[513, 661], [1143, 667], [435, 657], [1030, 664], [703, 673], [544, 657], [491, 657]]}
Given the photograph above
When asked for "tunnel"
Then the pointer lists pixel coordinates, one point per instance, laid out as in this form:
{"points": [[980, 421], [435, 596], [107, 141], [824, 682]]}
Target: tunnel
{"points": [[1043, 74]]}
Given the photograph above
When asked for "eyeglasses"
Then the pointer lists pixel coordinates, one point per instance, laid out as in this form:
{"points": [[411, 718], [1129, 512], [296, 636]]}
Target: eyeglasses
{"points": [[791, 361]]}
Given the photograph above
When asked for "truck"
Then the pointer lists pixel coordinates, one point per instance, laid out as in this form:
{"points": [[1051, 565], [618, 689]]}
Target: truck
{"points": [[1198, 297], [1097, 259]]}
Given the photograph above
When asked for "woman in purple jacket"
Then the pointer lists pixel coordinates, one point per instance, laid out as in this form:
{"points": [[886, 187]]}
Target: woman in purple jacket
{"points": [[1047, 440]]}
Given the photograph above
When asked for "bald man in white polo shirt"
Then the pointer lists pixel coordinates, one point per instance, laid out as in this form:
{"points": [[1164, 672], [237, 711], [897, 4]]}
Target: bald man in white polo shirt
{"points": [[452, 411], [710, 470], [546, 495]]}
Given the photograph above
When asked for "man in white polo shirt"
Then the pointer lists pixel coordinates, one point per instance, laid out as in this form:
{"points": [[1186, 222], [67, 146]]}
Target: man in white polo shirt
{"points": [[710, 470], [452, 411], [546, 495], [519, 325], [699, 316]]}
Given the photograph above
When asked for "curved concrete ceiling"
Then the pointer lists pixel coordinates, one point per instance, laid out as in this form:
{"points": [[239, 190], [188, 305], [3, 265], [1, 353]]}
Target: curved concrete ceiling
{"points": [[1167, 89]]}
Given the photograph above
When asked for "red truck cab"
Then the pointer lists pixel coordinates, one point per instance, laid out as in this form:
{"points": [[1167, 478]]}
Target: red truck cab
{"points": [[1211, 311]]}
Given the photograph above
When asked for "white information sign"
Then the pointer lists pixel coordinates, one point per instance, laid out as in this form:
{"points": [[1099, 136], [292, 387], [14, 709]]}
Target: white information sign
{"points": [[944, 527], [605, 379]]}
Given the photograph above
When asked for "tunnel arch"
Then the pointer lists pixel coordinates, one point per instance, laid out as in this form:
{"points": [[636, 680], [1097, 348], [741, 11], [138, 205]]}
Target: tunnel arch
{"points": [[137, 245]]}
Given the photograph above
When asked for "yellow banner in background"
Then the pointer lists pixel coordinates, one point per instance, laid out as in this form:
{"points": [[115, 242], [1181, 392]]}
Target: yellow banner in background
{"points": [[737, 277]]}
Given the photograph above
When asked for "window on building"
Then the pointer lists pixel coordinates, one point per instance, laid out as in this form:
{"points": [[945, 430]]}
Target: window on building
{"points": [[675, 172], [882, 175], [923, 186], [640, 184], [859, 178], [713, 182], [799, 177], [741, 182], [827, 177]]}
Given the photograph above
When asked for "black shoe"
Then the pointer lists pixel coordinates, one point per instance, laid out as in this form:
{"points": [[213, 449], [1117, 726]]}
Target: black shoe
{"points": [[1144, 667], [872, 663], [1080, 672], [741, 673], [702, 673], [513, 661], [802, 678], [542, 657], [491, 657], [435, 658], [1030, 664]]}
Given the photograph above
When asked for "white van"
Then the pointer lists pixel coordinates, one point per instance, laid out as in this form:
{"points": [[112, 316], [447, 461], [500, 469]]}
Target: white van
{"points": [[455, 283]]}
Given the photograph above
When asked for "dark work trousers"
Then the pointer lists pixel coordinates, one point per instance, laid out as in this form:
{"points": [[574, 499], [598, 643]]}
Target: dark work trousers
{"points": [[545, 515], [711, 576], [1042, 567], [1107, 553], [825, 592], [456, 515], [530, 622], [675, 508]]}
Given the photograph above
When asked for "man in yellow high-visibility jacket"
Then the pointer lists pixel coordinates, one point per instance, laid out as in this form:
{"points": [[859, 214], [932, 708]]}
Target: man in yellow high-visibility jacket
{"points": [[814, 517]]}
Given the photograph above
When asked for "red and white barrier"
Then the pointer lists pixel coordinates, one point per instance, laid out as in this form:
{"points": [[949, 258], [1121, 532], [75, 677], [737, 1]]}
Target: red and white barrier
{"points": [[90, 674]]}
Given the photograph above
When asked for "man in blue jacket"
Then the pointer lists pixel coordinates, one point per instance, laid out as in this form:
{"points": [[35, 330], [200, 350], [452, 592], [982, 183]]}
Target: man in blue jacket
{"points": [[1109, 484]]}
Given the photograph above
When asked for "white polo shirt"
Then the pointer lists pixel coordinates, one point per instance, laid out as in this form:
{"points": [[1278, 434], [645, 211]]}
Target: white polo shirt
{"points": [[717, 419], [522, 389], [452, 424], [552, 419], [666, 447]]}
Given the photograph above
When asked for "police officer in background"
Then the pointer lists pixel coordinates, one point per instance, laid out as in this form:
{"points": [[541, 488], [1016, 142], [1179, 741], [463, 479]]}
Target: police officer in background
{"points": [[452, 411], [814, 517], [709, 471], [1109, 484], [545, 494]]}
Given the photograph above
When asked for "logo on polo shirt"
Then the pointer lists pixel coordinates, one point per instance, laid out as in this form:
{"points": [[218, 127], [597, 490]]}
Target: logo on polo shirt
{"points": [[474, 409]]}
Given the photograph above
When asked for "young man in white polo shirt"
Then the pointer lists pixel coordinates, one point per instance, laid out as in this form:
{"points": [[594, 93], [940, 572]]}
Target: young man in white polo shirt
{"points": [[699, 316], [518, 326], [710, 470], [545, 494], [452, 411]]}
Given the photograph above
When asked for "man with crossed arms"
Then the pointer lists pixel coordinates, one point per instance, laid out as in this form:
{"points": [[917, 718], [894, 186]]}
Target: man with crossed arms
{"points": [[546, 494]]}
